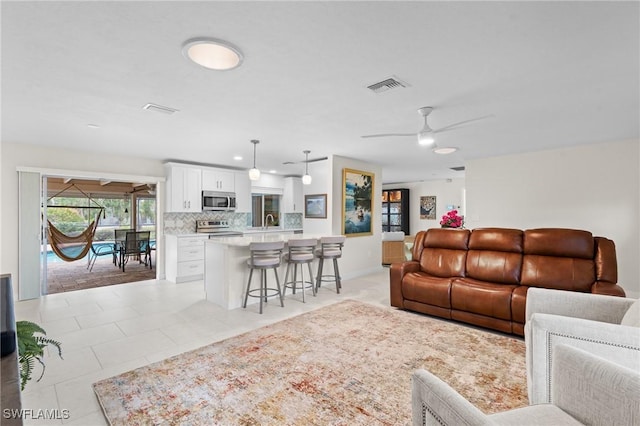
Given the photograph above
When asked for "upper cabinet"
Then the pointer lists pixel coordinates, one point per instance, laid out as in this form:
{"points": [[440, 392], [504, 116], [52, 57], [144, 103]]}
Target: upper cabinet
{"points": [[243, 192], [218, 180], [292, 198], [184, 188]]}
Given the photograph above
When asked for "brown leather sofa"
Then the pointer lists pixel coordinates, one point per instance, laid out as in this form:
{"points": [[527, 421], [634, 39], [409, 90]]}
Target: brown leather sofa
{"points": [[482, 276]]}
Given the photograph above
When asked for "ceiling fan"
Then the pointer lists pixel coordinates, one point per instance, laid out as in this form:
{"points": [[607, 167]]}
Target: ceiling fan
{"points": [[308, 160], [426, 134]]}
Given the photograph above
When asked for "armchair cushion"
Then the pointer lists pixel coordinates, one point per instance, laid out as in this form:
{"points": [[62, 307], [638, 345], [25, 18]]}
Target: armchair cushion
{"points": [[588, 390], [586, 321], [632, 317]]}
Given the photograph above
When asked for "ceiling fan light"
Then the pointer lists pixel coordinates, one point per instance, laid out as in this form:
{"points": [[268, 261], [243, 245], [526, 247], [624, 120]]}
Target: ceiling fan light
{"points": [[445, 150], [306, 179], [212, 53], [426, 138]]}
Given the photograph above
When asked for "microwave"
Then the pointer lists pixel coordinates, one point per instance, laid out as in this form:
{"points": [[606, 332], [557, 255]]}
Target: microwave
{"points": [[214, 200]]}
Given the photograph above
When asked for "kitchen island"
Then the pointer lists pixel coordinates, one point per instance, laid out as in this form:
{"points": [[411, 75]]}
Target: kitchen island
{"points": [[226, 272]]}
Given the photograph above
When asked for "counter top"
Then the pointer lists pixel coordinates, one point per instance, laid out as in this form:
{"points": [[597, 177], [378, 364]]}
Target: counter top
{"points": [[245, 240]]}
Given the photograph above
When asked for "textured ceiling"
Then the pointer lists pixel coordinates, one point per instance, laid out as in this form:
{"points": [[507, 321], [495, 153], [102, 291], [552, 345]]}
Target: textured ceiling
{"points": [[550, 74]]}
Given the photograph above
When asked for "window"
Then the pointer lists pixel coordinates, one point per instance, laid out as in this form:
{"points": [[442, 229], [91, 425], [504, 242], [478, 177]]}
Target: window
{"points": [[146, 220], [263, 205]]}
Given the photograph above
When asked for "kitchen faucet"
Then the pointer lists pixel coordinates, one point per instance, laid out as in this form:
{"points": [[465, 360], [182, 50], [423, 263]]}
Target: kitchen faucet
{"points": [[266, 220]]}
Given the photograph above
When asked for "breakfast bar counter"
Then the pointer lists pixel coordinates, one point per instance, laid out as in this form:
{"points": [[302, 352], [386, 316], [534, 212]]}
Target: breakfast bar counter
{"points": [[225, 269]]}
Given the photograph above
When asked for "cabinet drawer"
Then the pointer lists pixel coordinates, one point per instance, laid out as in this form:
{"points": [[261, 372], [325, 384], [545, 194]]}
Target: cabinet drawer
{"points": [[191, 242], [194, 267], [191, 253]]}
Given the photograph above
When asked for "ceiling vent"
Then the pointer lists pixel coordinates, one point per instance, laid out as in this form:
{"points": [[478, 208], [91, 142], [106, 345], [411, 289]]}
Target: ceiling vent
{"points": [[457, 169], [388, 84], [160, 108]]}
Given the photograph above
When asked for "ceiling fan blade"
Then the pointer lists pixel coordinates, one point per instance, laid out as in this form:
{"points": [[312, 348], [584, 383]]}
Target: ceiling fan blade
{"points": [[311, 160], [384, 135], [460, 123]]}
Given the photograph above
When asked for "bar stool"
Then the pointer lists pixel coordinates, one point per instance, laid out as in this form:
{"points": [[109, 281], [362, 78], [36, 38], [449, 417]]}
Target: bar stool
{"points": [[300, 251], [330, 248], [264, 256]]}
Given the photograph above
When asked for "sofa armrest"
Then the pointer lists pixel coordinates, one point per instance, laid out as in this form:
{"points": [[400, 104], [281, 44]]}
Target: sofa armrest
{"points": [[544, 332], [594, 307], [592, 390], [433, 402], [397, 271]]}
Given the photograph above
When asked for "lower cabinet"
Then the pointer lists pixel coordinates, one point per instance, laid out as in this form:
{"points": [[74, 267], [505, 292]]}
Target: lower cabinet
{"points": [[185, 257]]}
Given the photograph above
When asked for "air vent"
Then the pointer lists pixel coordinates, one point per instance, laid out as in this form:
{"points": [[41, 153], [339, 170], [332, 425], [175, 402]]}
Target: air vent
{"points": [[388, 84], [160, 108], [457, 169]]}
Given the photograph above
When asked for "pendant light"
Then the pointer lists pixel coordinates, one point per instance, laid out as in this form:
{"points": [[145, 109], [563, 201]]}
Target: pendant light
{"points": [[306, 179], [254, 174]]}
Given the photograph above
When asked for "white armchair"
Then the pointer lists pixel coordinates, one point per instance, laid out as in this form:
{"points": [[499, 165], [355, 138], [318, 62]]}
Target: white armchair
{"points": [[587, 390], [586, 321]]}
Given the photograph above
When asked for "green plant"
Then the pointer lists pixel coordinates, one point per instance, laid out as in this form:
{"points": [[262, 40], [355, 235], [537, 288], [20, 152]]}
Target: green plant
{"points": [[31, 344]]}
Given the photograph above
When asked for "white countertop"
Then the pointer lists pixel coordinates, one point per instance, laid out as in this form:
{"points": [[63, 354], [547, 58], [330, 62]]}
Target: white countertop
{"points": [[245, 240]]}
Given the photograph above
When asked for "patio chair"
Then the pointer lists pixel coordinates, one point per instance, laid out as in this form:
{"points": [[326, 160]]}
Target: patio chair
{"points": [[135, 244], [102, 250]]}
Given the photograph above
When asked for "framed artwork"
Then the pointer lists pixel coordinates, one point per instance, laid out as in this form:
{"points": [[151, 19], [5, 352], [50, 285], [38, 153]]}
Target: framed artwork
{"points": [[357, 202], [315, 206], [428, 207]]}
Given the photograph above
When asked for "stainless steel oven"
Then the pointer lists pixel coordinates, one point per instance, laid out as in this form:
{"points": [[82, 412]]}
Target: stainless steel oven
{"points": [[214, 200]]}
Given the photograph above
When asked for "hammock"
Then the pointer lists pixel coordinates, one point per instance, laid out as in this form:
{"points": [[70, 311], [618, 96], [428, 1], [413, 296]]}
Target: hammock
{"points": [[70, 248]]}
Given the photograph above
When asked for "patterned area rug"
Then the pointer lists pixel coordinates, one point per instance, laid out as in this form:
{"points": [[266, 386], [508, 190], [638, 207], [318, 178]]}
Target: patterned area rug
{"points": [[346, 364]]}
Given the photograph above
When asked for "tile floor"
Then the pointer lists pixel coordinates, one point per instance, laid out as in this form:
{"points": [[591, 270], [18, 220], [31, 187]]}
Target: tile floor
{"points": [[109, 330]]}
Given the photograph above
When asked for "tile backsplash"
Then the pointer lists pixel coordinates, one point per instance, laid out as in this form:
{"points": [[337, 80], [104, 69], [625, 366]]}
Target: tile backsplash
{"points": [[185, 223]]}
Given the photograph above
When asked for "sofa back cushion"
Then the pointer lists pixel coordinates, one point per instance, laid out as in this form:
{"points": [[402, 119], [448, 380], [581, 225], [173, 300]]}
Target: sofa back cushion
{"points": [[559, 258], [444, 252], [495, 255]]}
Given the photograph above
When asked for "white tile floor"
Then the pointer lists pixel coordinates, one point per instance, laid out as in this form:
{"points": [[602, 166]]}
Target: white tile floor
{"points": [[109, 330]]}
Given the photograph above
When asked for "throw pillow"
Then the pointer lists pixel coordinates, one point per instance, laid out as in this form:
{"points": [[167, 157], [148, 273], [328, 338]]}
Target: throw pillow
{"points": [[632, 317]]}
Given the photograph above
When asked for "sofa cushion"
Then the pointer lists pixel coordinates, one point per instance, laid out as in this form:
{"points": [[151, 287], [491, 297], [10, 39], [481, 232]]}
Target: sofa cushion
{"points": [[558, 258], [483, 298], [423, 288], [444, 252], [497, 239]]}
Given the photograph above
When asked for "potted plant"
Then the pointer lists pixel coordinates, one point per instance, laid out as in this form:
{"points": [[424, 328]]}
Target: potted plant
{"points": [[452, 220], [31, 343]]}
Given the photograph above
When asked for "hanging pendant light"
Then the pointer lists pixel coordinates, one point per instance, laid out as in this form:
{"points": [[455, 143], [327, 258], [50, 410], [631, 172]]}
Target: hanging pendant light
{"points": [[254, 174], [306, 179]]}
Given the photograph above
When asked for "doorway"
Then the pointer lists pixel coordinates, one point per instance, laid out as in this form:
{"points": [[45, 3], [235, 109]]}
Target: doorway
{"points": [[71, 207]]}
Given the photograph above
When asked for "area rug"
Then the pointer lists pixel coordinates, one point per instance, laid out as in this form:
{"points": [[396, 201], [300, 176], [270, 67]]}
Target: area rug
{"points": [[349, 363]]}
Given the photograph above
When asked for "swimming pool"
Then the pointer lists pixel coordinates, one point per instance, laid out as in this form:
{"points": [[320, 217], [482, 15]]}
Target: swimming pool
{"points": [[52, 257]]}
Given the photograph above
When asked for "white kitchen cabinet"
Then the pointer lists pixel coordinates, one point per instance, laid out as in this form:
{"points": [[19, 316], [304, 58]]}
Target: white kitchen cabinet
{"points": [[185, 257], [184, 188], [243, 192], [292, 198], [218, 180]]}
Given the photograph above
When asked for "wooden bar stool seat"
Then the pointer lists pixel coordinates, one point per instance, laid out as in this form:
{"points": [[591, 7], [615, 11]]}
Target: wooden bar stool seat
{"points": [[330, 249]]}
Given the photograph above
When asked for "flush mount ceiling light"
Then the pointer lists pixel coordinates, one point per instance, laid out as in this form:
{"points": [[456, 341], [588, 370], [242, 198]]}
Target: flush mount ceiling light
{"points": [[445, 150], [254, 173], [306, 179], [212, 53]]}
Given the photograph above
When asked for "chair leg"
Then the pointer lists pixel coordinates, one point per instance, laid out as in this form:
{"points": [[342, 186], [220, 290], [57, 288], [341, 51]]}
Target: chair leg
{"points": [[313, 287], [262, 284], [319, 277], [280, 291], [286, 277], [246, 294], [337, 277], [301, 282]]}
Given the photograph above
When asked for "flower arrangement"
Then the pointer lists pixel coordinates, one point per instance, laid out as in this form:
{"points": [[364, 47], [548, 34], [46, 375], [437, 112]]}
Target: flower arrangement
{"points": [[452, 220]]}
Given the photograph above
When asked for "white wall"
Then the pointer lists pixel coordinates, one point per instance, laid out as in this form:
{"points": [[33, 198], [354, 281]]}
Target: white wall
{"points": [[23, 155], [447, 192], [361, 254], [321, 183], [592, 187]]}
